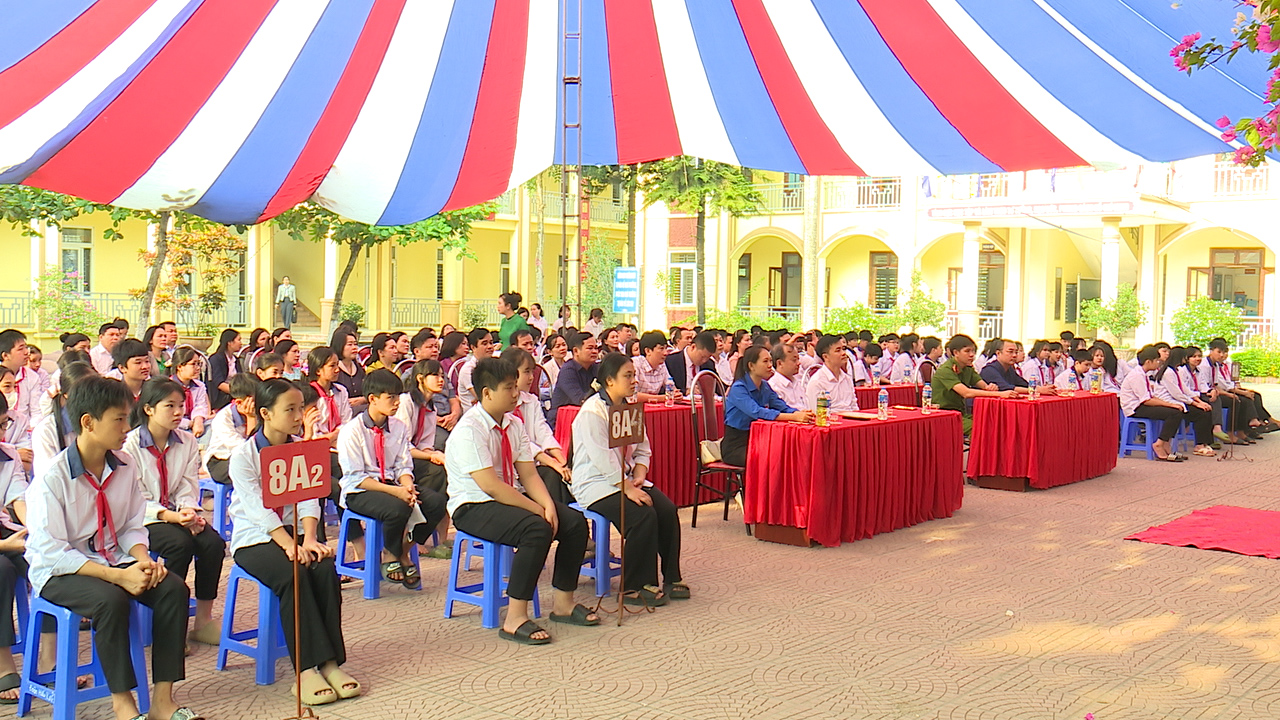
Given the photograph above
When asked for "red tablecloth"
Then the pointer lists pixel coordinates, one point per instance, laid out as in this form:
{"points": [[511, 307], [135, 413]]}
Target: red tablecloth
{"points": [[869, 396], [858, 478], [674, 467], [1051, 441]]}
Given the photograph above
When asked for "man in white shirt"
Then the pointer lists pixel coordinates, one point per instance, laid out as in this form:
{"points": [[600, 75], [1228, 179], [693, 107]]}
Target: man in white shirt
{"points": [[88, 550], [481, 343], [723, 341], [26, 407], [109, 335], [831, 378], [652, 375], [1138, 399], [787, 380], [488, 462]]}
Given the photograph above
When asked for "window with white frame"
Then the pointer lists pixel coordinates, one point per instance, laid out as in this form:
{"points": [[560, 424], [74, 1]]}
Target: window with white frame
{"points": [[682, 276], [77, 256]]}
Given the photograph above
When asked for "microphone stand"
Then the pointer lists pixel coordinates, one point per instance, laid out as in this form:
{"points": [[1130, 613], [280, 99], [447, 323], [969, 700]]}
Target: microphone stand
{"points": [[303, 713]]}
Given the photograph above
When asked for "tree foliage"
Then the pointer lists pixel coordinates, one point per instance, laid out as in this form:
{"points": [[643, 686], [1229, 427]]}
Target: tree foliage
{"points": [[1118, 317], [212, 252], [1204, 319], [917, 308]]}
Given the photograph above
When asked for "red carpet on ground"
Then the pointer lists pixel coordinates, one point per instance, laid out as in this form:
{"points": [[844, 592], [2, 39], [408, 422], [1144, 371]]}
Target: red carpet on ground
{"points": [[1245, 531]]}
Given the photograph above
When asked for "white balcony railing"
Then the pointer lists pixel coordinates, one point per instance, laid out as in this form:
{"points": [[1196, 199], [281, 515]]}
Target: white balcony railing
{"points": [[1230, 179], [881, 193], [415, 313], [602, 209], [790, 313], [781, 197], [508, 203]]}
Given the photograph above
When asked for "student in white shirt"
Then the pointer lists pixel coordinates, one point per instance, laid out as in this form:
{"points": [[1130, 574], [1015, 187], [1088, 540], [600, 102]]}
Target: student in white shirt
{"points": [[230, 427], [1243, 403], [132, 365], [167, 462], [601, 473], [787, 381], [35, 363], [905, 365], [481, 343], [1137, 399], [557, 354], [268, 366], [56, 431], [890, 344], [17, 432], [553, 466], [929, 361], [109, 335], [263, 543], [377, 477], [1077, 378], [87, 548], [831, 378], [187, 365], [417, 411], [1038, 366], [496, 494], [1169, 386], [13, 355], [1105, 362], [866, 365], [1189, 373]]}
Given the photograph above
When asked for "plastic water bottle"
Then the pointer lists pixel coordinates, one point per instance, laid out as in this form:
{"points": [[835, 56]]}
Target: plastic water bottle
{"points": [[671, 393], [875, 377], [820, 414], [1095, 382], [1035, 387], [882, 405], [926, 404]]}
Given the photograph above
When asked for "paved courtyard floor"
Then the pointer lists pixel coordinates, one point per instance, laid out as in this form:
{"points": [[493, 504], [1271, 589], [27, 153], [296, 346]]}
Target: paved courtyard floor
{"points": [[1021, 606]]}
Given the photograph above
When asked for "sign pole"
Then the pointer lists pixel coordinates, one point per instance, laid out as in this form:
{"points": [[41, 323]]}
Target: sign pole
{"points": [[302, 713], [626, 427]]}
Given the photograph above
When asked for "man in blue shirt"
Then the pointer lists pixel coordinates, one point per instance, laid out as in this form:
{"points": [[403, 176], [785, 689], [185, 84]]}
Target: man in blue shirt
{"points": [[1003, 373], [573, 386], [750, 398]]}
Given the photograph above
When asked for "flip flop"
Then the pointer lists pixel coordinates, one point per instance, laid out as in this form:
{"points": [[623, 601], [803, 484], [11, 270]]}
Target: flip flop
{"points": [[579, 616], [9, 682], [337, 679], [650, 595], [185, 713], [311, 689], [524, 634], [1204, 453], [412, 577], [392, 567], [677, 591], [1171, 458]]}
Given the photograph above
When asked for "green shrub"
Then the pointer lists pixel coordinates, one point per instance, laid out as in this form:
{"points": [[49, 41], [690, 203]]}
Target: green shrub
{"points": [[1118, 317], [351, 311], [472, 316], [1204, 319], [732, 320], [60, 307], [1257, 362]]}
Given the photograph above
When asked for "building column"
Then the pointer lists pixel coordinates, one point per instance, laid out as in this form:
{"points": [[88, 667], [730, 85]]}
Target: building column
{"points": [[1013, 299], [261, 272], [1148, 331], [967, 295], [378, 304], [811, 314], [1110, 258], [332, 270]]}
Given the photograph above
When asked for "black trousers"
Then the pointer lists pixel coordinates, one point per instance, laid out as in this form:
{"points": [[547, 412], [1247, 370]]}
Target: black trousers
{"points": [[108, 607], [1202, 422], [319, 602], [394, 515], [218, 471], [430, 476], [178, 546], [556, 486], [733, 447], [1240, 410], [651, 532], [531, 536], [1171, 417], [1260, 410]]}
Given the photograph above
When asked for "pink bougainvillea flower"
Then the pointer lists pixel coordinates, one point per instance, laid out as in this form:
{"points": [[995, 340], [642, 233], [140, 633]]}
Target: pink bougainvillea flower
{"points": [[1243, 154], [1228, 136], [1180, 63], [1265, 42], [1224, 121], [1088, 716]]}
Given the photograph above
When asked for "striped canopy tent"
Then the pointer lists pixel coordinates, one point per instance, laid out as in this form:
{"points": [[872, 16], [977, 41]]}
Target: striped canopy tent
{"points": [[389, 111]]}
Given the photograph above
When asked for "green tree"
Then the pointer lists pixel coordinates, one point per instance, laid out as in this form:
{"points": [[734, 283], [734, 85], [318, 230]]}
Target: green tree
{"points": [[1204, 319], [598, 178], [696, 186], [917, 308], [309, 221], [602, 256], [1118, 317]]}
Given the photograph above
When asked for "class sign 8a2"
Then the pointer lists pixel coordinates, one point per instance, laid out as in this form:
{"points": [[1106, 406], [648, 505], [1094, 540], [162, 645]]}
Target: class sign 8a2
{"points": [[294, 472]]}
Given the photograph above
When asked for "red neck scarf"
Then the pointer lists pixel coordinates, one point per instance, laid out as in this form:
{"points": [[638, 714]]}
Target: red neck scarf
{"points": [[331, 403], [106, 524], [163, 468], [418, 425], [508, 459], [380, 451]]}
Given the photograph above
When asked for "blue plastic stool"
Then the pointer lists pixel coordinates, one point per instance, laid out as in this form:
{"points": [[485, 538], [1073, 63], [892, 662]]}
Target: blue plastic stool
{"points": [[264, 654], [1130, 427], [221, 504], [603, 568], [367, 570], [22, 602], [490, 595], [64, 695], [1185, 440]]}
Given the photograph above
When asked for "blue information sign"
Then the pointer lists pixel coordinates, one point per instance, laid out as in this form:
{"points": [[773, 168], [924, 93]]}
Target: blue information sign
{"points": [[626, 290]]}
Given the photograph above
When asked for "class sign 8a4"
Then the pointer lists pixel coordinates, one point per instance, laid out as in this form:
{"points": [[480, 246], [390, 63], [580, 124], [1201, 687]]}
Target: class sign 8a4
{"points": [[294, 472]]}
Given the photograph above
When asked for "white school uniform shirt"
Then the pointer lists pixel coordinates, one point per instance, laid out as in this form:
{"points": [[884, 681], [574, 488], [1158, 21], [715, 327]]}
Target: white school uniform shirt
{"points": [[100, 358], [1136, 389], [594, 327], [358, 456], [791, 390], [840, 390], [1160, 390], [466, 388], [862, 373], [904, 368], [45, 380], [551, 371], [182, 463], [29, 392], [980, 362], [1123, 369], [539, 433], [63, 528], [227, 431], [1109, 384], [1178, 387], [1068, 380], [13, 481], [199, 403], [723, 370], [598, 470], [421, 422], [19, 432], [475, 444], [1219, 375], [326, 422], [252, 522], [1192, 381], [1033, 369], [44, 441], [885, 363]]}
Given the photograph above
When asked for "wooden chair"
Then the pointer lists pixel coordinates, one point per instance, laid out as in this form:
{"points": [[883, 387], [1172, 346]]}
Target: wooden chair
{"points": [[706, 426]]}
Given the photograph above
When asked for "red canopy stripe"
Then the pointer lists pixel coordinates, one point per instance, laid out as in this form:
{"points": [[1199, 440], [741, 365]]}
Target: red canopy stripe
{"points": [[340, 113], [645, 122], [963, 90], [148, 115], [814, 142], [37, 75]]}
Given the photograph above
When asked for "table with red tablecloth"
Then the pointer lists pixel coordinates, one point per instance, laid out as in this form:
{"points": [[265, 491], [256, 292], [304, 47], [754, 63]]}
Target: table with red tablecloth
{"points": [[869, 396], [673, 468], [856, 478], [1043, 443]]}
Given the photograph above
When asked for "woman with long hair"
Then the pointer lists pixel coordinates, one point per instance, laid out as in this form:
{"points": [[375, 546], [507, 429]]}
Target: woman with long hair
{"points": [[1105, 362], [222, 367], [752, 398], [453, 348], [1170, 386], [345, 345]]}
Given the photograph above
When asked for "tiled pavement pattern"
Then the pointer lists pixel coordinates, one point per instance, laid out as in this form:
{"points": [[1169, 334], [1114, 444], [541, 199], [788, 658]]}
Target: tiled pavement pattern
{"points": [[1022, 606]]}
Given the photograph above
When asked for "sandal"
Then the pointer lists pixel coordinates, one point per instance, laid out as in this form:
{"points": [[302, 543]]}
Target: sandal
{"points": [[650, 595], [1171, 458], [339, 680], [412, 577], [185, 713], [9, 682], [311, 689], [393, 568], [1204, 452], [580, 616], [677, 591], [524, 634]]}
